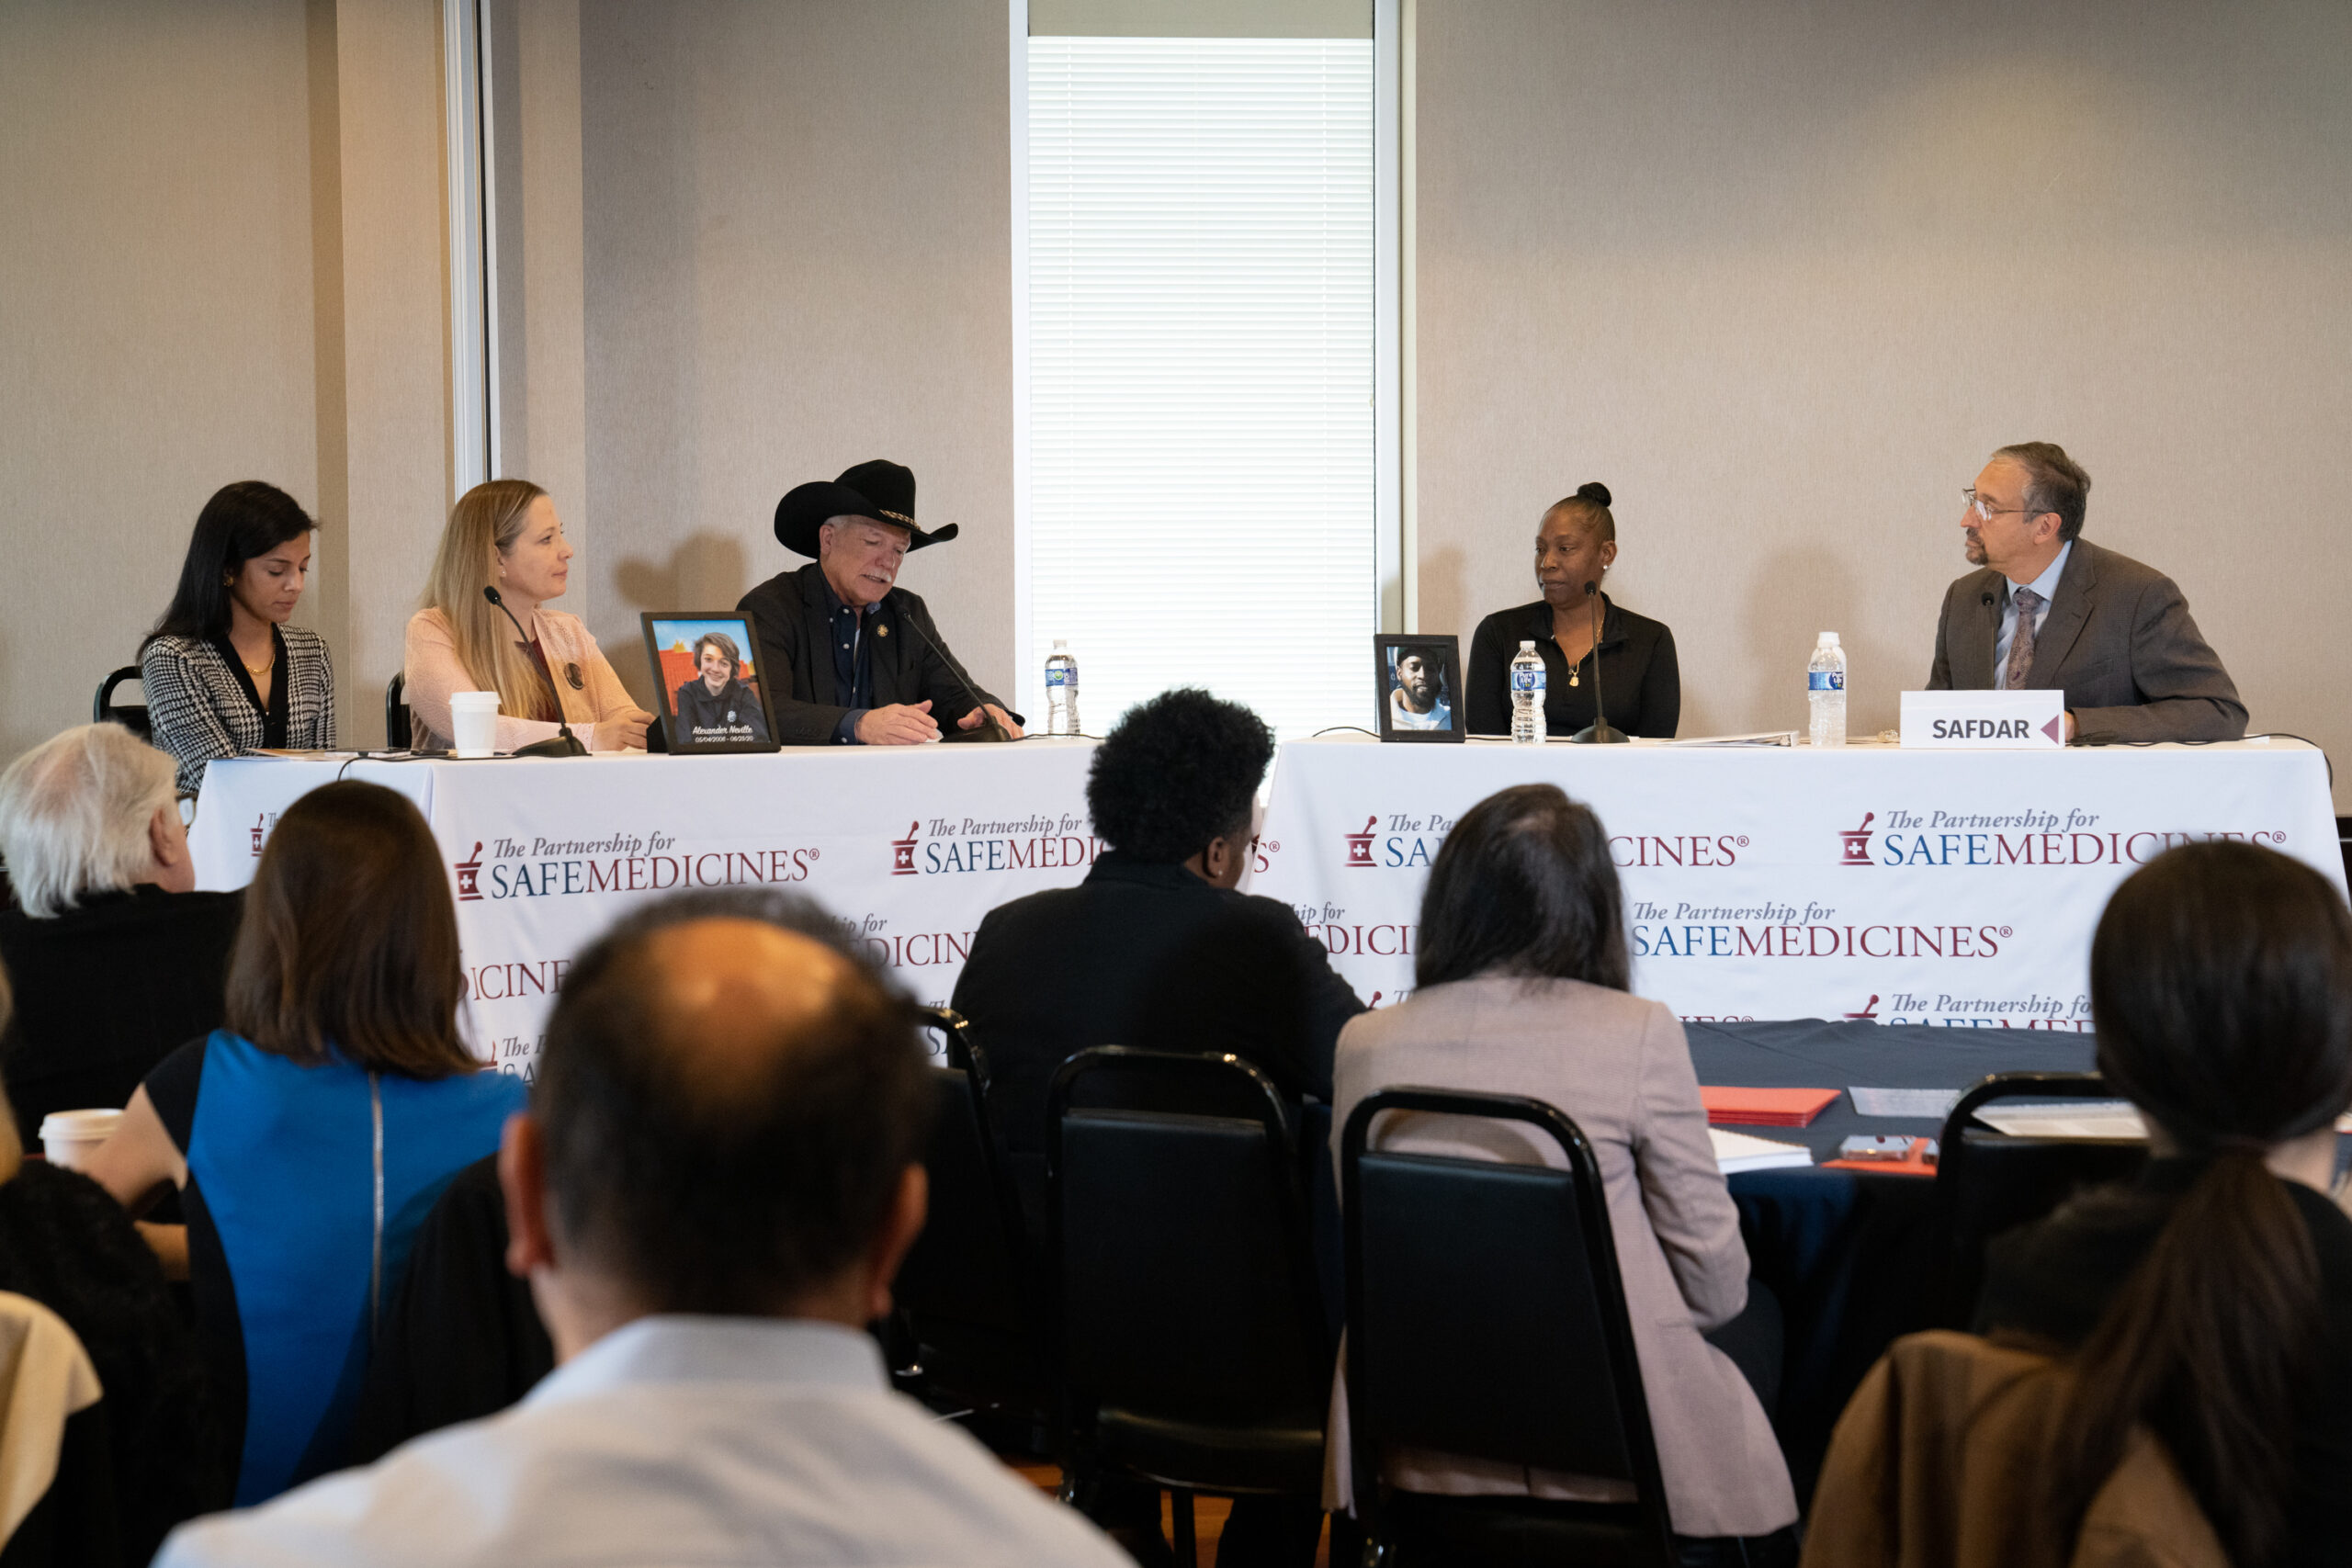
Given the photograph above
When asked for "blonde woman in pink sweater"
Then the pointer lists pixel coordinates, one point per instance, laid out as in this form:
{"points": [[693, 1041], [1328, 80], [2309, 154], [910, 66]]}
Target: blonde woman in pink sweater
{"points": [[506, 534]]}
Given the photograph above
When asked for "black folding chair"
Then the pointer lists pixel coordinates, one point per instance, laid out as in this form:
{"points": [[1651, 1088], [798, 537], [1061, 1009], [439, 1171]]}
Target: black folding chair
{"points": [[1987, 1182], [1486, 1318], [969, 1337], [130, 716], [397, 727], [1191, 1346]]}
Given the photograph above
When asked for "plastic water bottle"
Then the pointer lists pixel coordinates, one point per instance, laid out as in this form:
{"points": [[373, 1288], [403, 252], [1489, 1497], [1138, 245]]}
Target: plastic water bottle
{"points": [[1061, 691], [1826, 690], [1527, 696]]}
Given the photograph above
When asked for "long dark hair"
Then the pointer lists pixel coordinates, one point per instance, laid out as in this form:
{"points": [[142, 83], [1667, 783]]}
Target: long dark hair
{"points": [[350, 939], [243, 520], [2221, 991], [1524, 885]]}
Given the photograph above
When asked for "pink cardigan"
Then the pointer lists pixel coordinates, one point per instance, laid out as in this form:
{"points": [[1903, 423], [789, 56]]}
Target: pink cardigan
{"points": [[432, 671]]}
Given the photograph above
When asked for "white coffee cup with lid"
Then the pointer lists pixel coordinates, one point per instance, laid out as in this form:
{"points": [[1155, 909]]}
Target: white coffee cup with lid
{"points": [[473, 716], [70, 1137]]}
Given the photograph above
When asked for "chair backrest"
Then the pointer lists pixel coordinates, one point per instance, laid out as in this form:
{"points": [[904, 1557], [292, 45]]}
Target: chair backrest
{"points": [[1486, 1314], [130, 716], [1184, 1284], [1987, 1182], [399, 729], [970, 1268]]}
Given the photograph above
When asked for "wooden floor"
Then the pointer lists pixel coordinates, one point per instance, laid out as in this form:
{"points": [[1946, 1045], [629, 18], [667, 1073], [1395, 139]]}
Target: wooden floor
{"points": [[1208, 1517]]}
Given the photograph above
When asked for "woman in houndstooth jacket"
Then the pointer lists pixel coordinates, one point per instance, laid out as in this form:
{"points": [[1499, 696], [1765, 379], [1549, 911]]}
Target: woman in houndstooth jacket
{"points": [[223, 673]]}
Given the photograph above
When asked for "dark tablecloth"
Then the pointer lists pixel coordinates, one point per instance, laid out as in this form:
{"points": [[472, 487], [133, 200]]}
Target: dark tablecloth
{"points": [[1852, 1256]]}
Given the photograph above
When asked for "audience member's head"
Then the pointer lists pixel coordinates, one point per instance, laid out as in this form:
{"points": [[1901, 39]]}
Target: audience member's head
{"points": [[1524, 886], [1176, 781], [729, 1120], [350, 939], [92, 810], [2221, 991]]}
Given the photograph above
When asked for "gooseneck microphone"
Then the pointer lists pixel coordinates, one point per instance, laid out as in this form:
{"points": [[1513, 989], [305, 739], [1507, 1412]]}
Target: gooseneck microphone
{"points": [[564, 743], [989, 728], [1597, 733]]}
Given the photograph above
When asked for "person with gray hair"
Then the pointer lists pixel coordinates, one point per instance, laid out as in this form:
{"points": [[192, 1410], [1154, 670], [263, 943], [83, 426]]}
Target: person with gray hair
{"points": [[117, 957]]}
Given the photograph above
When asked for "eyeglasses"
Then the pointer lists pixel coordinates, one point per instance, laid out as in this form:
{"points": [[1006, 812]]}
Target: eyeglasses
{"points": [[1986, 513]]}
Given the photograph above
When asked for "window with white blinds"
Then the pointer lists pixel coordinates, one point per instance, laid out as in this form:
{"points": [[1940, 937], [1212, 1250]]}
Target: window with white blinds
{"points": [[1201, 441]]}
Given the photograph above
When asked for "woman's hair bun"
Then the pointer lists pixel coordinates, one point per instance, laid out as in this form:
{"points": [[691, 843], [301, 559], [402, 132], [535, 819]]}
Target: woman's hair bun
{"points": [[1595, 493]]}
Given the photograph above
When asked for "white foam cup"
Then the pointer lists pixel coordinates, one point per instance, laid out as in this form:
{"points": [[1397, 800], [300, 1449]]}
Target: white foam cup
{"points": [[70, 1137], [474, 716]]}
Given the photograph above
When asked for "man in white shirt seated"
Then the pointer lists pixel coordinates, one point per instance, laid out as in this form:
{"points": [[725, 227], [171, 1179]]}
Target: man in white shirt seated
{"points": [[718, 1174]]}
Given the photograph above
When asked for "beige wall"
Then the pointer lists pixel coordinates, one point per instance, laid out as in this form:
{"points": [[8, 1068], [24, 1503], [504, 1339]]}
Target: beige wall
{"points": [[1782, 272], [797, 257], [1779, 273], [156, 335]]}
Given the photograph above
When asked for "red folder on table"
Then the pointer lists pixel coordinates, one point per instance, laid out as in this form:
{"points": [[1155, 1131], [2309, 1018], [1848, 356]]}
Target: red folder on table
{"points": [[1765, 1106]]}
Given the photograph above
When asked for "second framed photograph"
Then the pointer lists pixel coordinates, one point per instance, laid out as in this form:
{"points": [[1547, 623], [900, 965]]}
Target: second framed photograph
{"points": [[1417, 682], [712, 701]]}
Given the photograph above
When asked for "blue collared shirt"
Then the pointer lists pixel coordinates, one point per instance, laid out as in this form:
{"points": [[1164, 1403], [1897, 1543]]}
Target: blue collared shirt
{"points": [[853, 660], [2047, 586], [675, 1440]]}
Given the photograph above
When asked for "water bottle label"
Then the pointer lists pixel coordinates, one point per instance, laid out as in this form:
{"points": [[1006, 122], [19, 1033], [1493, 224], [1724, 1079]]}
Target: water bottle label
{"points": [[1527, 679], [1056, 678], [1825, 681]]}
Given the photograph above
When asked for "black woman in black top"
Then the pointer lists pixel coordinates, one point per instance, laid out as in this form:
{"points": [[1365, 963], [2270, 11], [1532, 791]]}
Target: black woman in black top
{"points": [[1575, 543]]}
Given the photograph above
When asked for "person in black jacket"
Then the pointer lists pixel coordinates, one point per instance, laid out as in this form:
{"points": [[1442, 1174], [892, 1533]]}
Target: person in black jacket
{"points": [[850, 659], [117, 959], [1634, 666], [2210, 1299], [1156, 948]]}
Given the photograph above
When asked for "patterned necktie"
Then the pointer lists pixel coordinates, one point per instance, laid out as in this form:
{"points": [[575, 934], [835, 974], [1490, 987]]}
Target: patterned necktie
{"points": [[2021, 640]]}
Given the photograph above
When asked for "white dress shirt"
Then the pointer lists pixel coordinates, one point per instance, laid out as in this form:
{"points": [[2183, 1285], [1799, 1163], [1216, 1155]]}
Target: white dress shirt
{"points": [[2047, 586], [676, 1441]]}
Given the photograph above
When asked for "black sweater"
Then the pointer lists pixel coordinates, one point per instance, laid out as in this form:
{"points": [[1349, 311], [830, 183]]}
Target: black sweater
{"points": [[1639, 673]]}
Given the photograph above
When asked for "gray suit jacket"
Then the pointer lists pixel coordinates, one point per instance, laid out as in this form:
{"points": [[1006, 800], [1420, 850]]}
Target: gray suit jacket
{"points": [[2118, 641], [1621, 1068]]}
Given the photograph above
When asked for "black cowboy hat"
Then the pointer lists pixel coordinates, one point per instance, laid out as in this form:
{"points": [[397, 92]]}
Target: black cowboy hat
{"points": [[880, 489]]}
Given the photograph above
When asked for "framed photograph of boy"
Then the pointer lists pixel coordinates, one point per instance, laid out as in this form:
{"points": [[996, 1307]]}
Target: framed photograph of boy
{"points": [[1417, 683], [712, 701]]}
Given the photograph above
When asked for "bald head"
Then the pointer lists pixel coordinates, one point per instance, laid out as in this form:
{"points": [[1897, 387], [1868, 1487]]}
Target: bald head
{"points": [[729, 1101]]}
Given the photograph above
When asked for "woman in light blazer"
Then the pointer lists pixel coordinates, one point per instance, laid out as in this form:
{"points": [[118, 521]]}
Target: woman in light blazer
{"points": [[506, 534], [1521, 982]]}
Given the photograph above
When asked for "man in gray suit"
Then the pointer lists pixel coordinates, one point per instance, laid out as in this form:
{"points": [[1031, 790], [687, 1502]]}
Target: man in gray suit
{"points": [[2049, 610]]}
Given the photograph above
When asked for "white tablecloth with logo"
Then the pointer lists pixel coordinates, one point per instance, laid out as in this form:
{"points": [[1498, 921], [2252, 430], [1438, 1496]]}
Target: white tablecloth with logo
{"points": [[909, 846], [1948, 887]]}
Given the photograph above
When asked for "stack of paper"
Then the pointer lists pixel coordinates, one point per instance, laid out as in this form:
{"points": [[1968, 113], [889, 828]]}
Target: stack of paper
{"points": [[2111, 1120], [1765, 1106], [1735, 1152]]}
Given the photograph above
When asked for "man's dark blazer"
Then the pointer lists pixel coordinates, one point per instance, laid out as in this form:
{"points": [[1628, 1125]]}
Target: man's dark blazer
{"points": [[2118, 641], [107, 990], [1146, 955], [796, 663]]}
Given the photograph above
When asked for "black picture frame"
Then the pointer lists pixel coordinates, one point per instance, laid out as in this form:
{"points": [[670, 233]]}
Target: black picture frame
{"points": [[693, 627], [1388, 649]]}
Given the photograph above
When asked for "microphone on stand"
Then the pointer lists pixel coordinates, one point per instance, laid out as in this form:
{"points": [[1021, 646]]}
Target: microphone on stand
{"points": [[564, 743], [1597, 733], [989, 729]]}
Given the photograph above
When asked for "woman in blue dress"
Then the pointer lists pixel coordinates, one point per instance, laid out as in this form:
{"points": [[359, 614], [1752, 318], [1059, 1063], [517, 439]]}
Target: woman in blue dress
{"points": [[310, 1135]]}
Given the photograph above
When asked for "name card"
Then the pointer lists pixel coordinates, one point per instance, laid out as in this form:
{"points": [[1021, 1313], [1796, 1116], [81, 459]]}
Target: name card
{"points": [[1984, 721]]}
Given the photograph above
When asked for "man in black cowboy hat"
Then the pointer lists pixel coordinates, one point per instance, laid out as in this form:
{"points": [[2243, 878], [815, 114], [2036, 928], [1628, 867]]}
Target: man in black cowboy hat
{"points": [[849, 659]]}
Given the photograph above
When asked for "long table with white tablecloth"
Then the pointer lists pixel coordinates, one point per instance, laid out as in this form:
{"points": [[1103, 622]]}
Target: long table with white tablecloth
{"points": [[908, 846], [1865, 882]]}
